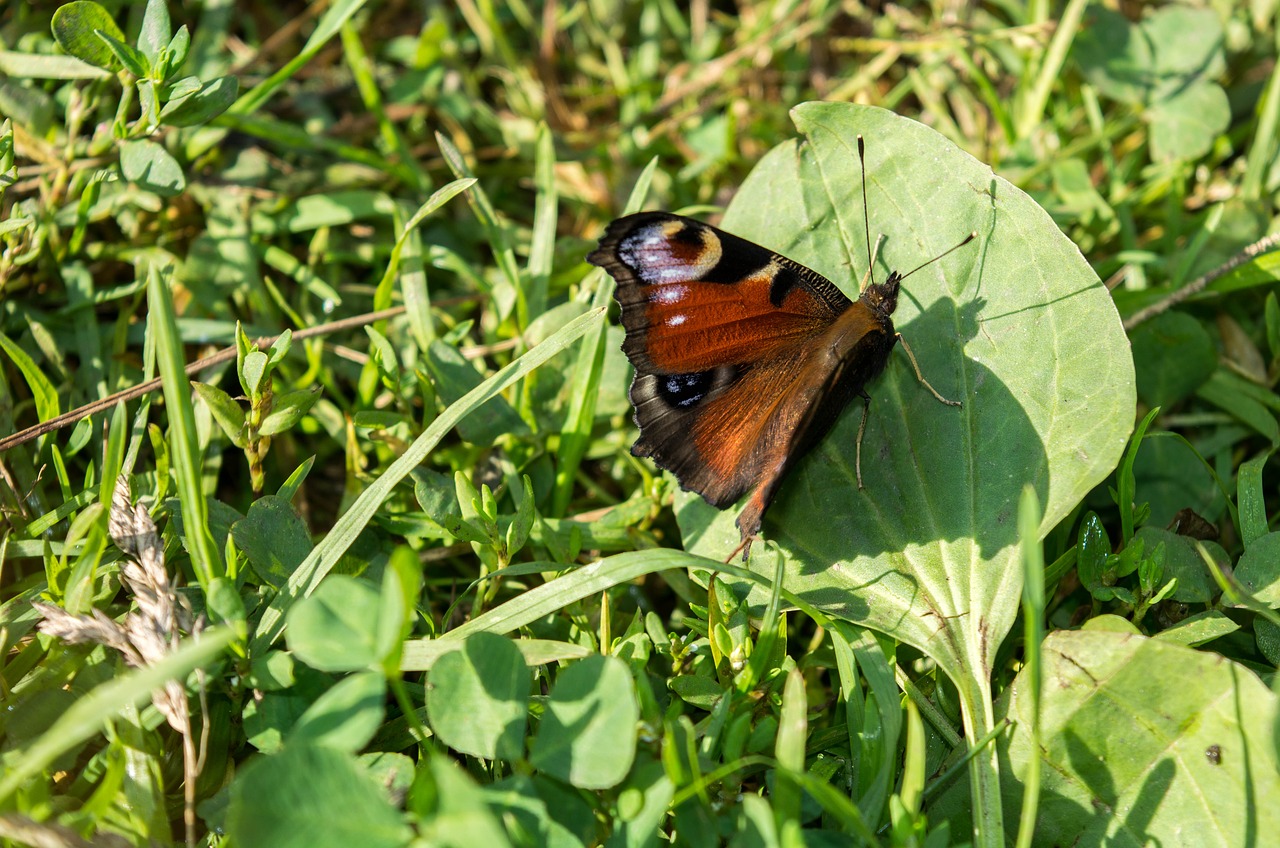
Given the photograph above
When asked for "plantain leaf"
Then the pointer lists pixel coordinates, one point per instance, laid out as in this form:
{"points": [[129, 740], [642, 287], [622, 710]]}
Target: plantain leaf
{"points": [[1168, 741], [1016, 325]]}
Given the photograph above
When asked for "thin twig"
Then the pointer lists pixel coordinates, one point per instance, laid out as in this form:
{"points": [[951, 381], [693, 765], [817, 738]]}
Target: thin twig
{"points": [[1198, 285], [224, 355]]}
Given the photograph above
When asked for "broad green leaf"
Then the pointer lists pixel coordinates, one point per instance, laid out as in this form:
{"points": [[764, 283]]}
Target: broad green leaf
{"points": [[642, 806], [1116, 57], [1152, 59], [1175, 745], [1173, 356], [559, 821], [1185, 125], [29, 107], [392, 772], [1108, 623], [1092, 549], [273, 538], [335, 629], [148, 106], [477, 698], [1251, 505], [179, 47], [398, 603], [156, 29], [1198, 629], [1014, 326], [1171, 477], [588, 733], [1258, 570], [273, 714], [226, 412], [272, 671], [129, 56], [1195, 583], [311, 797], [1187, 42], [223, 604], [279, 347], [253, 371], [200, 107], [462, 818], [679, 751], [288, 408], [1267, 636], [73, 28], [437, 495], [43, 66], [150, 167], [703, 692], [346, 716]]}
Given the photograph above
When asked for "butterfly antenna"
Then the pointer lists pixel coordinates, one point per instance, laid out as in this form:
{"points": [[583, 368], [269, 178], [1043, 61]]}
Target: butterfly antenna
{"points": [[973, 235], [866, 221]]}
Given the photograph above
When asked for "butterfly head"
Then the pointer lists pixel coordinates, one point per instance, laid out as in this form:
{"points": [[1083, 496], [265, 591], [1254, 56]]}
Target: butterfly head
{"points": [[883, 297]]}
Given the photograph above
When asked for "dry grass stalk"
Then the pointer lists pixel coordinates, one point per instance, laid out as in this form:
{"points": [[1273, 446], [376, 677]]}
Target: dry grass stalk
{"points": [[146, 634]]}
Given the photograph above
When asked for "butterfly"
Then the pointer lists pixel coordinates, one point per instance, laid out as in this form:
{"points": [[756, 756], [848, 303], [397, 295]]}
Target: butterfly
{"points": [[744, 359]]}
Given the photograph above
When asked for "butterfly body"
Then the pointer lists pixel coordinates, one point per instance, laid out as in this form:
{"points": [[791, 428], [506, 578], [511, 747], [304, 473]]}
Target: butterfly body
{"points": [[744, 358]]}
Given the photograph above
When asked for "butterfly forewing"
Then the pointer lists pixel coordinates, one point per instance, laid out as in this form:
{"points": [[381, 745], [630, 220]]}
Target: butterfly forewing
{"points": [[695, 298]]}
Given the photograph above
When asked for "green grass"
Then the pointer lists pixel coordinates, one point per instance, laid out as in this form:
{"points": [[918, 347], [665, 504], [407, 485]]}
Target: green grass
{"points": [[424, 594]]}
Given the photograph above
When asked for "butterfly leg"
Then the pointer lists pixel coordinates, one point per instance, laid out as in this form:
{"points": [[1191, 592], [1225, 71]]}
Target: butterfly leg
{"points": [[862, 428], [744, 546], [919, 377], [750, 520]]}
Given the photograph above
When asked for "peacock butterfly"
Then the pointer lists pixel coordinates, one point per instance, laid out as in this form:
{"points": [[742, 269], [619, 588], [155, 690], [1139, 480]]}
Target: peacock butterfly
{"points": [[744, 358]]}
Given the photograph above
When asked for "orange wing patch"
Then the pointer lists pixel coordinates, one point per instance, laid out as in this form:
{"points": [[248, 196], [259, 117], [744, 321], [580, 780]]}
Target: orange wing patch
{"points": [[732, 430], [693, 326], [695, 298]]}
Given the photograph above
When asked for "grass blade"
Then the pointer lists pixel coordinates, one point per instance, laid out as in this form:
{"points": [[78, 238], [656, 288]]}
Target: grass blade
{"points": [[326, 554]]}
